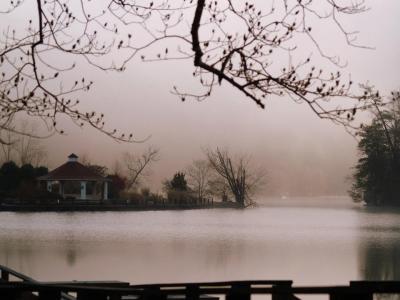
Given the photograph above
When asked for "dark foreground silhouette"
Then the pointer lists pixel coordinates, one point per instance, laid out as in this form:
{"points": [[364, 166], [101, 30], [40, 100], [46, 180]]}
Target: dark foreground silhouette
{"points": [[15, 286]]}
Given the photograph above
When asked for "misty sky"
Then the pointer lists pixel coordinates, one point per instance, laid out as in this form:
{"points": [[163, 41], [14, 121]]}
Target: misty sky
{"points": [[301, 153]]}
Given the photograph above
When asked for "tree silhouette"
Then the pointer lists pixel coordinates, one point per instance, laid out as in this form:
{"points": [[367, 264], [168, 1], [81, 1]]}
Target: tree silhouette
{"points": [[199, 177], [13, 177], [178, 182], [377, 173], [9, 174], [118, 184], [252, 46], [138, 166], [236, 175]]}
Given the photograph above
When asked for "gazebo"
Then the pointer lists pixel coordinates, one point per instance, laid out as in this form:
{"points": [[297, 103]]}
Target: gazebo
{"points": [[73, 180]]}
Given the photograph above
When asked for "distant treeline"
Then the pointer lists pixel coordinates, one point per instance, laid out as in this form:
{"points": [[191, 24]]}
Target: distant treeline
{"points": [[20, 182], [219, 175]]}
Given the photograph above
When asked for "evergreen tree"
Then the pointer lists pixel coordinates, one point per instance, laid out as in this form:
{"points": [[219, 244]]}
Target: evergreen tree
{"points": [[179, 182], [9, 176], [27, 173], [377, 173], [13, 177]]}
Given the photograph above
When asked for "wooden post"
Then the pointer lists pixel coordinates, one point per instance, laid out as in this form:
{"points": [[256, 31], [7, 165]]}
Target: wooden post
{"points": [[50, 295], [365, 289], [91, 295], [115, 297], [10, 295], [283, 292], [239, 292], [5, 276], [192, 292], [153, 293]]}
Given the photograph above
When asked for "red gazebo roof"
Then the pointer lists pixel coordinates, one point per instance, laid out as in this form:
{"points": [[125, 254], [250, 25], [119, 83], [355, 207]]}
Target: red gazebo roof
{"points": [[72, 170]]}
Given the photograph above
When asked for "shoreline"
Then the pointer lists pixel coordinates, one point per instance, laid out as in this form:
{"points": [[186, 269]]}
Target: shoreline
{"points": [[104, 207]]}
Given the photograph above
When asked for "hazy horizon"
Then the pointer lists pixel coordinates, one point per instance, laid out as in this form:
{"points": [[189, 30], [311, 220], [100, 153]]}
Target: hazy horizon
{"points": [[302, 154]]}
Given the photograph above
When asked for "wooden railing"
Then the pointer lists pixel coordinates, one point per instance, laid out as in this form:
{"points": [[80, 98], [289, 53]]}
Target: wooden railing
{"points": [[10, 275], [27, 288]]}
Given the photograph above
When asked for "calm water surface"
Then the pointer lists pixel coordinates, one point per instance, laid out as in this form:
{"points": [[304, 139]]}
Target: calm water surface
{"points": [[311, 242]]}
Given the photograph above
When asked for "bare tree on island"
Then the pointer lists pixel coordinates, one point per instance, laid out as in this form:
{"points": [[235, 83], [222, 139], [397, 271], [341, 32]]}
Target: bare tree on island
{"points": [[137, 166], [199, 173], [237, 175], [254, 46]]}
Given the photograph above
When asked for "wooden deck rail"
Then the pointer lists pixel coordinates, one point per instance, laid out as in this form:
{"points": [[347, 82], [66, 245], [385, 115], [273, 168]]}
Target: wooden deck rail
{"points": [[230, 290], [11, 277], [7, 274]]}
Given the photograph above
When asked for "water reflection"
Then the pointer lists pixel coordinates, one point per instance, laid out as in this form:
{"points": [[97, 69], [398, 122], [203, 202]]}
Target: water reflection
{"points": [[379, 244], [379, 255], [311, 245], [71, 256], [380, 260]]}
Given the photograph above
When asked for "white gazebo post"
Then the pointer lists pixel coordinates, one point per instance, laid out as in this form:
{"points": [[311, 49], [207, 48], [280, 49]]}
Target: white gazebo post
{"points": [[105, 190], [83, 190], [49, 186], [61, 188]]}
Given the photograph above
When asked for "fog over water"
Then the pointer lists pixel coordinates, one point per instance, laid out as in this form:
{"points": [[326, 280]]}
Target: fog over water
{"points": [[320, 241]]}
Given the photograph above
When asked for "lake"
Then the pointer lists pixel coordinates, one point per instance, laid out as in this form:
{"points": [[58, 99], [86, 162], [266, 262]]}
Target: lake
{"points": [[311, 241]]}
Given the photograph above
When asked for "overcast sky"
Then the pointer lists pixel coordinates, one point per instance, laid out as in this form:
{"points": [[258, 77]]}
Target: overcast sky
{"points": [[302, 154]]}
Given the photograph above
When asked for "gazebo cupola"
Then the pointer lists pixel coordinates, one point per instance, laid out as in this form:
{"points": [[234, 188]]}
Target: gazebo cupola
{"points": [[76, 181], [72, 157]]}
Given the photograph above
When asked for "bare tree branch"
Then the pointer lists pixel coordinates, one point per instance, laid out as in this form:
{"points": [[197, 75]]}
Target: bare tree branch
{"points": [[137, 166], [29, 149], [254, 46]]}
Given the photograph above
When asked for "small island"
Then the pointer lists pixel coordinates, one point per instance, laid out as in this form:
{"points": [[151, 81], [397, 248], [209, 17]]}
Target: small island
{"points": [[218, 182]]}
